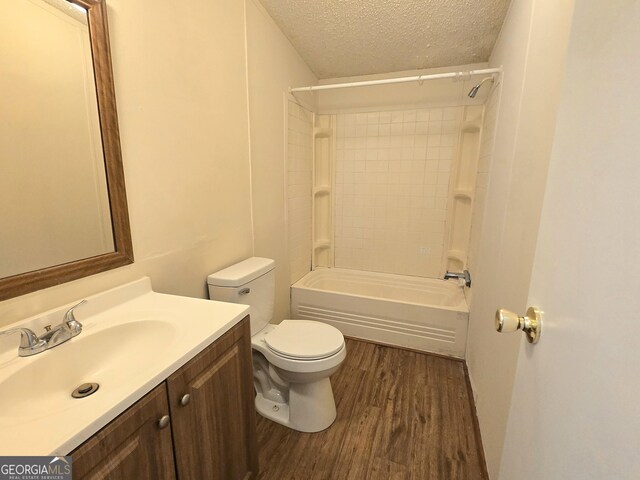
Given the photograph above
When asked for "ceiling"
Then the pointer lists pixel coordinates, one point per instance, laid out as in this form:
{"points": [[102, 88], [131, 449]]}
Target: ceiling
{"points": [[340, 38]]}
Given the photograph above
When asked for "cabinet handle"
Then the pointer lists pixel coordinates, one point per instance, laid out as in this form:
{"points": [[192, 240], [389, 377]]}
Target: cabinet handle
{"points": [[184, 401], [163, 422]]}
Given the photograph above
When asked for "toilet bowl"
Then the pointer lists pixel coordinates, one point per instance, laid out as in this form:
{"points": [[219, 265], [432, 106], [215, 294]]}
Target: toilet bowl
{"points": [[292, 361]]}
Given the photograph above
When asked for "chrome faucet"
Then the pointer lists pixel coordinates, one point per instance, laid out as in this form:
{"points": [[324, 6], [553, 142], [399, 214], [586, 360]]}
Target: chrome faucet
{"points": [[30, 344], [464, 275]]}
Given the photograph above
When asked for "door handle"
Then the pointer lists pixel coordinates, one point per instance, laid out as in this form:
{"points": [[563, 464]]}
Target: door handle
{"points": [[530, 324]]}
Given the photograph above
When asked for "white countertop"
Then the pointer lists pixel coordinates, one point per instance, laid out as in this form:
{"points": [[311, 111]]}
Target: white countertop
{"points": [[132, 340]]}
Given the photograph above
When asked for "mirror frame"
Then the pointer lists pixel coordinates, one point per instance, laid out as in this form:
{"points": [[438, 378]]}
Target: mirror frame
{"points": [[21, 284]]}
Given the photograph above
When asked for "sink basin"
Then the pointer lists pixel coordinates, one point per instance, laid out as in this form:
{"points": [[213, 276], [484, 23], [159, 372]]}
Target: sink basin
{"points": [[132, 339], [44, 385]]}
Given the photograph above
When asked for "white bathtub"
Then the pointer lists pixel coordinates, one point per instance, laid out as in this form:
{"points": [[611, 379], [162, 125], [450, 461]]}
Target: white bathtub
{"points": [[420, 313]]}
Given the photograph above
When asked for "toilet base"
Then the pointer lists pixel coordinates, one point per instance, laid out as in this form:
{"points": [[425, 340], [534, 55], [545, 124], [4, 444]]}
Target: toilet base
{"points": [[311, 407]]}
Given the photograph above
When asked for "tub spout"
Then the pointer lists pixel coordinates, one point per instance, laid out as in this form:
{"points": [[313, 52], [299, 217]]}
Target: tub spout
{"points": [[466, 276]]}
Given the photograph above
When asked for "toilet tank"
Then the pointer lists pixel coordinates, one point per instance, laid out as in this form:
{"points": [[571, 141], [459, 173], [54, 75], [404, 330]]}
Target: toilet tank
{"points": [[250, 282]]}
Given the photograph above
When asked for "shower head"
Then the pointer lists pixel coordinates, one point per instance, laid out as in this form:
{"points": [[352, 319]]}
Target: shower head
{"points": [[474, 90]]}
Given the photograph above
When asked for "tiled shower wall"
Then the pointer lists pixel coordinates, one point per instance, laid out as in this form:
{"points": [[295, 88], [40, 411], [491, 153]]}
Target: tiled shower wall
{"points": [[299, 178], [392, 187]]}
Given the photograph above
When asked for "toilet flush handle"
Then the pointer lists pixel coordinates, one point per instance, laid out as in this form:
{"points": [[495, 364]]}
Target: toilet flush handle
{"points": [[244, 291]]}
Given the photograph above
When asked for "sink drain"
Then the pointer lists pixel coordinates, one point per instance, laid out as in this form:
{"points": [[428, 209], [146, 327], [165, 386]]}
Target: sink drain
{"points": [[85, 390]]}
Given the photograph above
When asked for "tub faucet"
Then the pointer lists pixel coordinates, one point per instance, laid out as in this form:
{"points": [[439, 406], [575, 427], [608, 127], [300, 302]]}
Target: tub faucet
{"points": [[466, 276]]}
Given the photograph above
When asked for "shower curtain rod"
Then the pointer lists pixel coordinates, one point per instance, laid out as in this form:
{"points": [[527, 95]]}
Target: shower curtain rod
{"points": [[387, 81]]}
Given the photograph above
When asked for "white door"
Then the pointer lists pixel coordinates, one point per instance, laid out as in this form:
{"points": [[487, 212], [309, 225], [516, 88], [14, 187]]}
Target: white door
{"points": [[575, 410]]}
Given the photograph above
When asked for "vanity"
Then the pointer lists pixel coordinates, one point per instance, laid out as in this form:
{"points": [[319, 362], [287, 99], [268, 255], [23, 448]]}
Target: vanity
{"points": [[174, 397]]}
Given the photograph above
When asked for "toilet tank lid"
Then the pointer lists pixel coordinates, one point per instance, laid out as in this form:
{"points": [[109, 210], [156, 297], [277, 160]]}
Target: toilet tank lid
{"points": [[241, 273]]}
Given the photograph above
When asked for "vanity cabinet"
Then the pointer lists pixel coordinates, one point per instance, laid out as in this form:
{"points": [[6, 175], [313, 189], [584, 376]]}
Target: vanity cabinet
{"points": [[211, 432], [132, 446], [212, 411]]}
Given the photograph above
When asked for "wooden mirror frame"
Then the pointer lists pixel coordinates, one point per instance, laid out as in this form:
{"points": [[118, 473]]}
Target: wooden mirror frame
{"points": [[21, 284]]}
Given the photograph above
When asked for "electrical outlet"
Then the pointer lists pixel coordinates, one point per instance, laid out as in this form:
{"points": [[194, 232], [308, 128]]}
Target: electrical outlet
{"points": [[424, 250]]}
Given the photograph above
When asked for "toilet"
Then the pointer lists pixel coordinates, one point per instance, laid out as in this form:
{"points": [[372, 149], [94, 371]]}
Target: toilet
{"points": [[292, 361]]}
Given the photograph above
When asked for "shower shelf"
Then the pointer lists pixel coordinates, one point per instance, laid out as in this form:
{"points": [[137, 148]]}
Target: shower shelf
{"points": [[463, 193], [472, 125], [457, 255], [323, 132], [321, 245], [322, 198], [462, 188]]}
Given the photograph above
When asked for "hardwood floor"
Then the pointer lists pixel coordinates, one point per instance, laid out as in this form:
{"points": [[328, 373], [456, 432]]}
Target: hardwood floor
{"points": [[401, 415]]}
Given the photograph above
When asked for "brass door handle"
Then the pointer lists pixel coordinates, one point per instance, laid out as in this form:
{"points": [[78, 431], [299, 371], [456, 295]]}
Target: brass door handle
{"points": [[530, 324]]}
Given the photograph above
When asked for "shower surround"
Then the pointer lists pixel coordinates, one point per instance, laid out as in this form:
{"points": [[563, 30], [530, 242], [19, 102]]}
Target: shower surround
{"points": [[392, 194], [392, 182]]}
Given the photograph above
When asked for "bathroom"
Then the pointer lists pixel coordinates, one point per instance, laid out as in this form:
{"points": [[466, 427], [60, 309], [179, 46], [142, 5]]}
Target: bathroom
{"points": [[214, 151]]}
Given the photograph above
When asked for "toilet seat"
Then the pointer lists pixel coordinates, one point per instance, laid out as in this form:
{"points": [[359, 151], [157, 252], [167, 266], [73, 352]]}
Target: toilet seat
{"points": [[304, 340]]}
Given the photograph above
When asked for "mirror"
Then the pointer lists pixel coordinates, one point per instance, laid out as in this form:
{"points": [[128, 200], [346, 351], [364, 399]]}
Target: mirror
{"points": [[64, 211]]}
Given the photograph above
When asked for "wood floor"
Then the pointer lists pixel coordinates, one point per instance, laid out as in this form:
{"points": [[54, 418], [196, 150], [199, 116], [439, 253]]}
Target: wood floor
{"points": [[401, 415]]}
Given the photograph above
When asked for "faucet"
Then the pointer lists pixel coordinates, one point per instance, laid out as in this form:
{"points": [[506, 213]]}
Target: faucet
{"points": [[466, 276], [30, 343]]}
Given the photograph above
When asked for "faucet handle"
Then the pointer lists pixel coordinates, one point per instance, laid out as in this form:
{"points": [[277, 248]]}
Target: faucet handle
{"points": [[30, 344], [70, 319]]}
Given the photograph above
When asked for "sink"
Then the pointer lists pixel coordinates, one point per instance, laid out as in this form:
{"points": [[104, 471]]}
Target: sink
{"points": [[43, 386], [132, 339]]}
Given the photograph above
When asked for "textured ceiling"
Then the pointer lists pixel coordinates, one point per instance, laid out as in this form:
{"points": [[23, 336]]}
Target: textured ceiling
{"points": [[340, 38]]}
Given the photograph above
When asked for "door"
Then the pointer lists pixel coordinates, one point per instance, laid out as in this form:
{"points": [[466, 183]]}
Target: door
{"points": [[575, 409], [137, 444], [212, 412]]}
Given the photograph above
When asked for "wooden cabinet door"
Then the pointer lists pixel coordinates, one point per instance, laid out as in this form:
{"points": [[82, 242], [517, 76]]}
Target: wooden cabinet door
{"points": [[133, 446], [214, 433]]}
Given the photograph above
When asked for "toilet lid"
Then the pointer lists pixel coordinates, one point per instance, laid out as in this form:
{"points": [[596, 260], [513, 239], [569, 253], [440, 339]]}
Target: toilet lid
{"points": [[304, 339]]}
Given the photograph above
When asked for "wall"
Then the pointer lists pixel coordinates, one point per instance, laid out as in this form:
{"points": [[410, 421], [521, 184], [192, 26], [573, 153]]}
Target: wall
{"points": [[392, 185], [575, 411], [531, 49], [273, 67], [180, 79], [52, 188]]}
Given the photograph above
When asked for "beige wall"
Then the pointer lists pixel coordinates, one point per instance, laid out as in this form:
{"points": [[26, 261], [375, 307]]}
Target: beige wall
{"points": [[273, 67], [532, 50], [180, 78]]}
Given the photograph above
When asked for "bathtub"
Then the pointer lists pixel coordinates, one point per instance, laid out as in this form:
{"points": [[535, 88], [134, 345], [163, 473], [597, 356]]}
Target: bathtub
{"points": [[420, 313]]}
